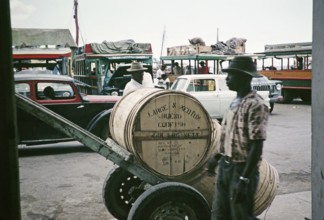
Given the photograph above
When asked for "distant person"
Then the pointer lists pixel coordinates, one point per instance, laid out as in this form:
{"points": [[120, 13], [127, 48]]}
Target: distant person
{"points": [[107, 77], [49, 92], [188, 70], [139, 79], [177, 69], [56, 70], [93, 72], [164, 81], [203, 69], [300, 63], [160, 71]]}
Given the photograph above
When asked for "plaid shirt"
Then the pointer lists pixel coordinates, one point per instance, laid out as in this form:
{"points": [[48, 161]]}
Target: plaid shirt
{"points": [[245, 120]]}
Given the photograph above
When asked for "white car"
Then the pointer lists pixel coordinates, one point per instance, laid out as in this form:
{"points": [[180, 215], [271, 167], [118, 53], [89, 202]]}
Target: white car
{"points": [[211, 90]]}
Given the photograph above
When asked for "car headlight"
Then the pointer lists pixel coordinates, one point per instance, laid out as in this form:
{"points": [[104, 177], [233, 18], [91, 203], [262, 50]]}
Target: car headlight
{"points": [[114, 93], [278, 86]]}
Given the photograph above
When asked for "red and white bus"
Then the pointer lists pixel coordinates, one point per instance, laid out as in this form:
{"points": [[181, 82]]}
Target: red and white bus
{"points": [[56, 59]]}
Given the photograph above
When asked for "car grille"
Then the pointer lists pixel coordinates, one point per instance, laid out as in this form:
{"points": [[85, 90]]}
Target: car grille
{"points": [[261, 87], [270, 88]]}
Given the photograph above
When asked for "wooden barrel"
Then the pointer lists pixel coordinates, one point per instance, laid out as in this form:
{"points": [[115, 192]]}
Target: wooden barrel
{"points": [[267, 188], [265, 194], [168, 131]]}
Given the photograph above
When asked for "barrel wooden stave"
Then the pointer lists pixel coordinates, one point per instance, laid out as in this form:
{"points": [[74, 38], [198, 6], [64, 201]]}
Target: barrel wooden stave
{"points": [[267, 187], [168, 131]]}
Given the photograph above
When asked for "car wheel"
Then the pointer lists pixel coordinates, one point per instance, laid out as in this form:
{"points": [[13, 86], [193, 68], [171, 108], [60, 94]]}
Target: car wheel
{"points": [[120, 191], [170, 200], [271, 107]]}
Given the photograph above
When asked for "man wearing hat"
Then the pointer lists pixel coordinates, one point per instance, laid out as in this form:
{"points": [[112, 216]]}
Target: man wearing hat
{"points": [[139, 78], [240, 146]]}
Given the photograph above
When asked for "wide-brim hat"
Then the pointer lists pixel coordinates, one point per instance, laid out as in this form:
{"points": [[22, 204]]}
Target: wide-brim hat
{"points": [[136, 67], [243, 64]]}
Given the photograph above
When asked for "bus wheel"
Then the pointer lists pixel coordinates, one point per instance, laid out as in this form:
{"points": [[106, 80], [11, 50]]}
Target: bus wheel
{"points": [[287, 96], [170, 200], [120, 191], [306, 96]]}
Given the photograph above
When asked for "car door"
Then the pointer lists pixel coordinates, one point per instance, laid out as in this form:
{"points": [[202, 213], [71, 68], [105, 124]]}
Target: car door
{"points": [[66, 102], [205, 91], [226, 96], [69, 104]]}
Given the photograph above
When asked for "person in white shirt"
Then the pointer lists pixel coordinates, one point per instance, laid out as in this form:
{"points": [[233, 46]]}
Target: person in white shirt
{"points": [[160, 71], [139, 78], [176, 69], [164, 81], [147, 80]]}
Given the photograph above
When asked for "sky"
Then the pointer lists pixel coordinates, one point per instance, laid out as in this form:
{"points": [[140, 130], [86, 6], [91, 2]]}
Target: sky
{"points": [[260, 22]]}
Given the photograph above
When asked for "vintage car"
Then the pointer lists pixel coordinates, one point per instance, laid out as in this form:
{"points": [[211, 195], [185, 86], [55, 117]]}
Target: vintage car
{"points": [[61, 95], [273, 86], [211, 90]]}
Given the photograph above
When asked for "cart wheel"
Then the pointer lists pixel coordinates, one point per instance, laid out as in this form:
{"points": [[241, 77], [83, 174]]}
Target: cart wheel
{"points": [[170, 200], [120, 191]]}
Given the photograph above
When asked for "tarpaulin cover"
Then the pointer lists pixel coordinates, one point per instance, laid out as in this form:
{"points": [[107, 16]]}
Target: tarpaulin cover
{"points": [[231, 47], [123, 46]]}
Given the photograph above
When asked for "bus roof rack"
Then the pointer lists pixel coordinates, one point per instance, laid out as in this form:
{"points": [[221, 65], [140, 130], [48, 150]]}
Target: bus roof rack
{"points": [[305, 47]]}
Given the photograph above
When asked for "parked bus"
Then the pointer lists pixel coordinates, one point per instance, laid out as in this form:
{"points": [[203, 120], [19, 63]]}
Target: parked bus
{"points": [[56, 59], [94, 63], [292, 64], [43, 49], [189, 59]]}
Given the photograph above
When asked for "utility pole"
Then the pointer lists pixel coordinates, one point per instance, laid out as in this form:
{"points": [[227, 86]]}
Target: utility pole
{"points": [[163, 38], [76, 22], [217, 40]]}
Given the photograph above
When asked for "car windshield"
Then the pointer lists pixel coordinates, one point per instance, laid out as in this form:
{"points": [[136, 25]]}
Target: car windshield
{"points": [[262, 79], [179, 84], [119, 78]]}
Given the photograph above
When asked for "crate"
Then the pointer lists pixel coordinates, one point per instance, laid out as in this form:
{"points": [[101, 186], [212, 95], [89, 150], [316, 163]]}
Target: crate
{"points": [[188, 50]]}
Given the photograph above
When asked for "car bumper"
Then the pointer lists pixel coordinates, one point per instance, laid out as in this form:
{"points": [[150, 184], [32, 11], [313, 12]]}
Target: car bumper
{"points": [[276, 99]]}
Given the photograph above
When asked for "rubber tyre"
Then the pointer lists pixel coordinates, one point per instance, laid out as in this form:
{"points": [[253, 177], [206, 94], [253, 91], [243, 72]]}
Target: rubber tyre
{"points": [[271, 107], [105, 133], [306, 97], [287, 97], [116, 196], [170, 200]]}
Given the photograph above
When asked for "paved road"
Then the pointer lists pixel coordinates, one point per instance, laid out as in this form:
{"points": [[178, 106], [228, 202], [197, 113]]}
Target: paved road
{"points": [[64, 181]]}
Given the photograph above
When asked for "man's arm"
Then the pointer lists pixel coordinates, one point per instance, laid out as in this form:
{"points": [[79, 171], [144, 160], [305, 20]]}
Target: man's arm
{"points": [[253, 159]]}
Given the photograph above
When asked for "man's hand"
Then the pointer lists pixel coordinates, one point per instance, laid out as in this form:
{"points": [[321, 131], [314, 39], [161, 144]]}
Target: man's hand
{"points": [[239, 192], [212, 164]]}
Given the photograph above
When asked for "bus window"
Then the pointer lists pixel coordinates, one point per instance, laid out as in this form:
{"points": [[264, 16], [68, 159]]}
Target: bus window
{"points": [[291, 64], [23, 88]]}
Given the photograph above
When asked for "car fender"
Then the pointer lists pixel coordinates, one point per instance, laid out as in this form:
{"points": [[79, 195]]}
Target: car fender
{"points": [[98, 122]]}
